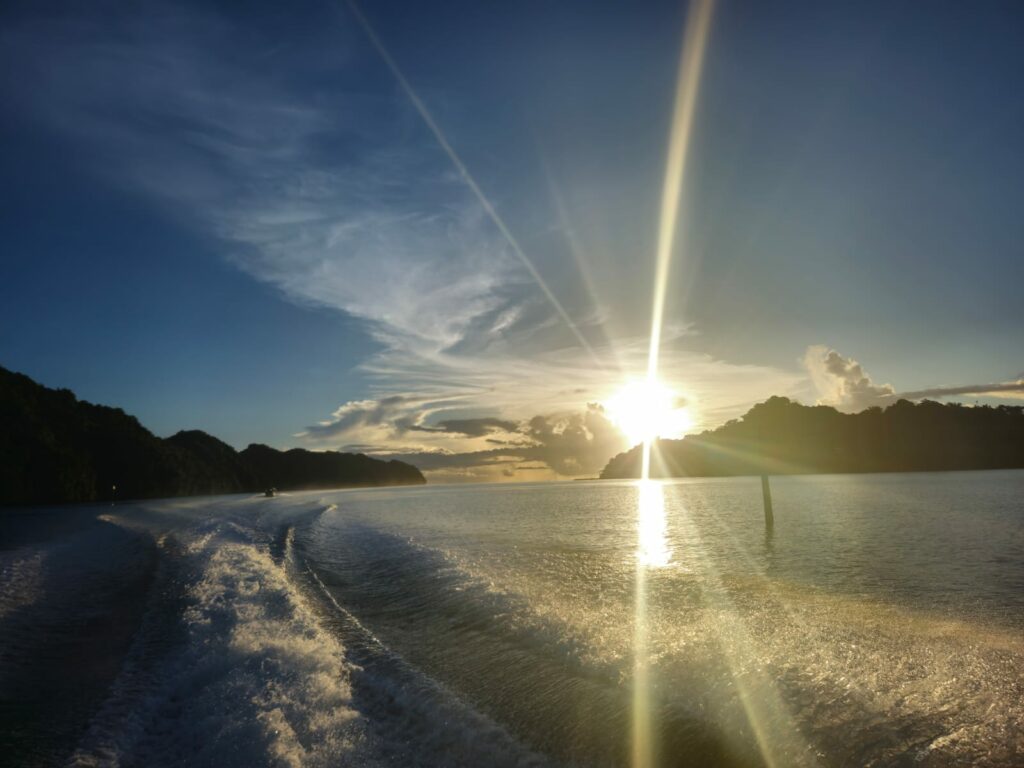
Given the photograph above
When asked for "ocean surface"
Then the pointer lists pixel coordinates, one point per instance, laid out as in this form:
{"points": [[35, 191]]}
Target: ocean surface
{"points": [[878, 622]]}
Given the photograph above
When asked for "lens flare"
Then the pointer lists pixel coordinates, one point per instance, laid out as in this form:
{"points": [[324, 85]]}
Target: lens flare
{"points": [[651, 513]]}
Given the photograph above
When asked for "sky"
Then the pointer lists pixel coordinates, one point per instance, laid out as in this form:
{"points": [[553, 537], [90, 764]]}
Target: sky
{"points": [[432, 235]]}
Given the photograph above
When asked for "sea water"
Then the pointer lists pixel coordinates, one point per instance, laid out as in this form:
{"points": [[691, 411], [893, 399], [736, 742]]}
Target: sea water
{"points": [[879, 621]]}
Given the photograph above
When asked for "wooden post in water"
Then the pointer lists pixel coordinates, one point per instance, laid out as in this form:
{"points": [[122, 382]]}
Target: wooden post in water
{"points": [[766, 492]]}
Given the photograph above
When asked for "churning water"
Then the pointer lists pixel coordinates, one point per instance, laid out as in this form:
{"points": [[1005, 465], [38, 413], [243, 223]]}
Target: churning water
{"points": [[880, 621]]}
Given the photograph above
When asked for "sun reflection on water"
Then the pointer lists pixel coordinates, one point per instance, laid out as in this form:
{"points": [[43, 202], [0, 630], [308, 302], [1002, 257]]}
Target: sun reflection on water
{"points": [[652, 545], [652, 553]]}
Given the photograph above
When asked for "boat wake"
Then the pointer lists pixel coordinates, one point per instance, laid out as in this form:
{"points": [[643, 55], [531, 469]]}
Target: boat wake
{"points": [[243, 657], [230, 667]]}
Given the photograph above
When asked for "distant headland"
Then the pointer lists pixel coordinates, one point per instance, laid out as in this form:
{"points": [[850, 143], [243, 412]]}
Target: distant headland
{"points": [[780, 436], [56, 448]]}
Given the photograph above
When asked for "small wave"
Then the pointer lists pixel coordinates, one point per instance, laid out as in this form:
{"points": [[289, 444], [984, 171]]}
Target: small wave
{"points": [[409, 581], [415, 720]]}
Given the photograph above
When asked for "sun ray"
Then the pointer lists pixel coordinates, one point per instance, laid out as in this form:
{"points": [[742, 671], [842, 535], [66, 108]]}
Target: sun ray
{"points": [[578, 254], [694, 44]]}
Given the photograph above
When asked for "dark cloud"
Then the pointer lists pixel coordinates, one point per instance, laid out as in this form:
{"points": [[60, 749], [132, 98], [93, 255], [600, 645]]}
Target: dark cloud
{"points": [[575, 443], [469, 427], [1003, 388], [515, 443], [570, 444], [432, 460]]}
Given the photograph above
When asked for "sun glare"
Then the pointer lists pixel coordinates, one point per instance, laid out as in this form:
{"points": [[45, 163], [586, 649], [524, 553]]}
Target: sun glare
{"points": [[645, 410]]}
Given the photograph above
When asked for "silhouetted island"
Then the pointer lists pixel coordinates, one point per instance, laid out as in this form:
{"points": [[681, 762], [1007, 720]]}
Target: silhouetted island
{"points": [[56, 448], [780, 436]]}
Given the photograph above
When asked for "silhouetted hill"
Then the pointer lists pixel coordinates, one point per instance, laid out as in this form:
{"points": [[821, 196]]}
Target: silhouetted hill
{"points": [[211, 465], [299, 468], [56, 448], [782, 437]]}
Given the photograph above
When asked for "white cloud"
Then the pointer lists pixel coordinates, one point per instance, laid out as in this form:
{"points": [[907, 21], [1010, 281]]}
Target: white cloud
{"points": [[169, 106], [842, 382]]}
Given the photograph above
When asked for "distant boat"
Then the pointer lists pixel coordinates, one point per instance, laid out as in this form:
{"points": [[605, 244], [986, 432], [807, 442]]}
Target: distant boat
{"points": [[270, 492]]}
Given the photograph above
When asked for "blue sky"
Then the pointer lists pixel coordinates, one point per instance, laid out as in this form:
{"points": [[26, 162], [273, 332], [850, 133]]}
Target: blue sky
{"points": [[232, 217]]}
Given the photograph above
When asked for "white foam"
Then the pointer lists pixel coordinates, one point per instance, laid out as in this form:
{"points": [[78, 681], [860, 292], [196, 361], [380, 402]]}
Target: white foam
{"points": [[251, 678], [21, 578]]}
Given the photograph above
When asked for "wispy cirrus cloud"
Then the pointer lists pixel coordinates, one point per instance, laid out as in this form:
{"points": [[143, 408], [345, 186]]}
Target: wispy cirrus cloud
{"points": [[313, 190]]}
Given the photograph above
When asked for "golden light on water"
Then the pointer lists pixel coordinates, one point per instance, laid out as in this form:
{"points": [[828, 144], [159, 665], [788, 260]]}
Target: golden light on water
{"points": [[652, 552], [652, 547]]}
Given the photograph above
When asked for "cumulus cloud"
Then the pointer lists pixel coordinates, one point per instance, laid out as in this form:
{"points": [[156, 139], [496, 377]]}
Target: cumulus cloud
{"points": [[842, 382], [575, 443]]}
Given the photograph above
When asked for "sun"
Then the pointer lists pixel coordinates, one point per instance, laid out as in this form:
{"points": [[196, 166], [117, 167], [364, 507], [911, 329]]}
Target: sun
{"points": [[644, 410]]}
